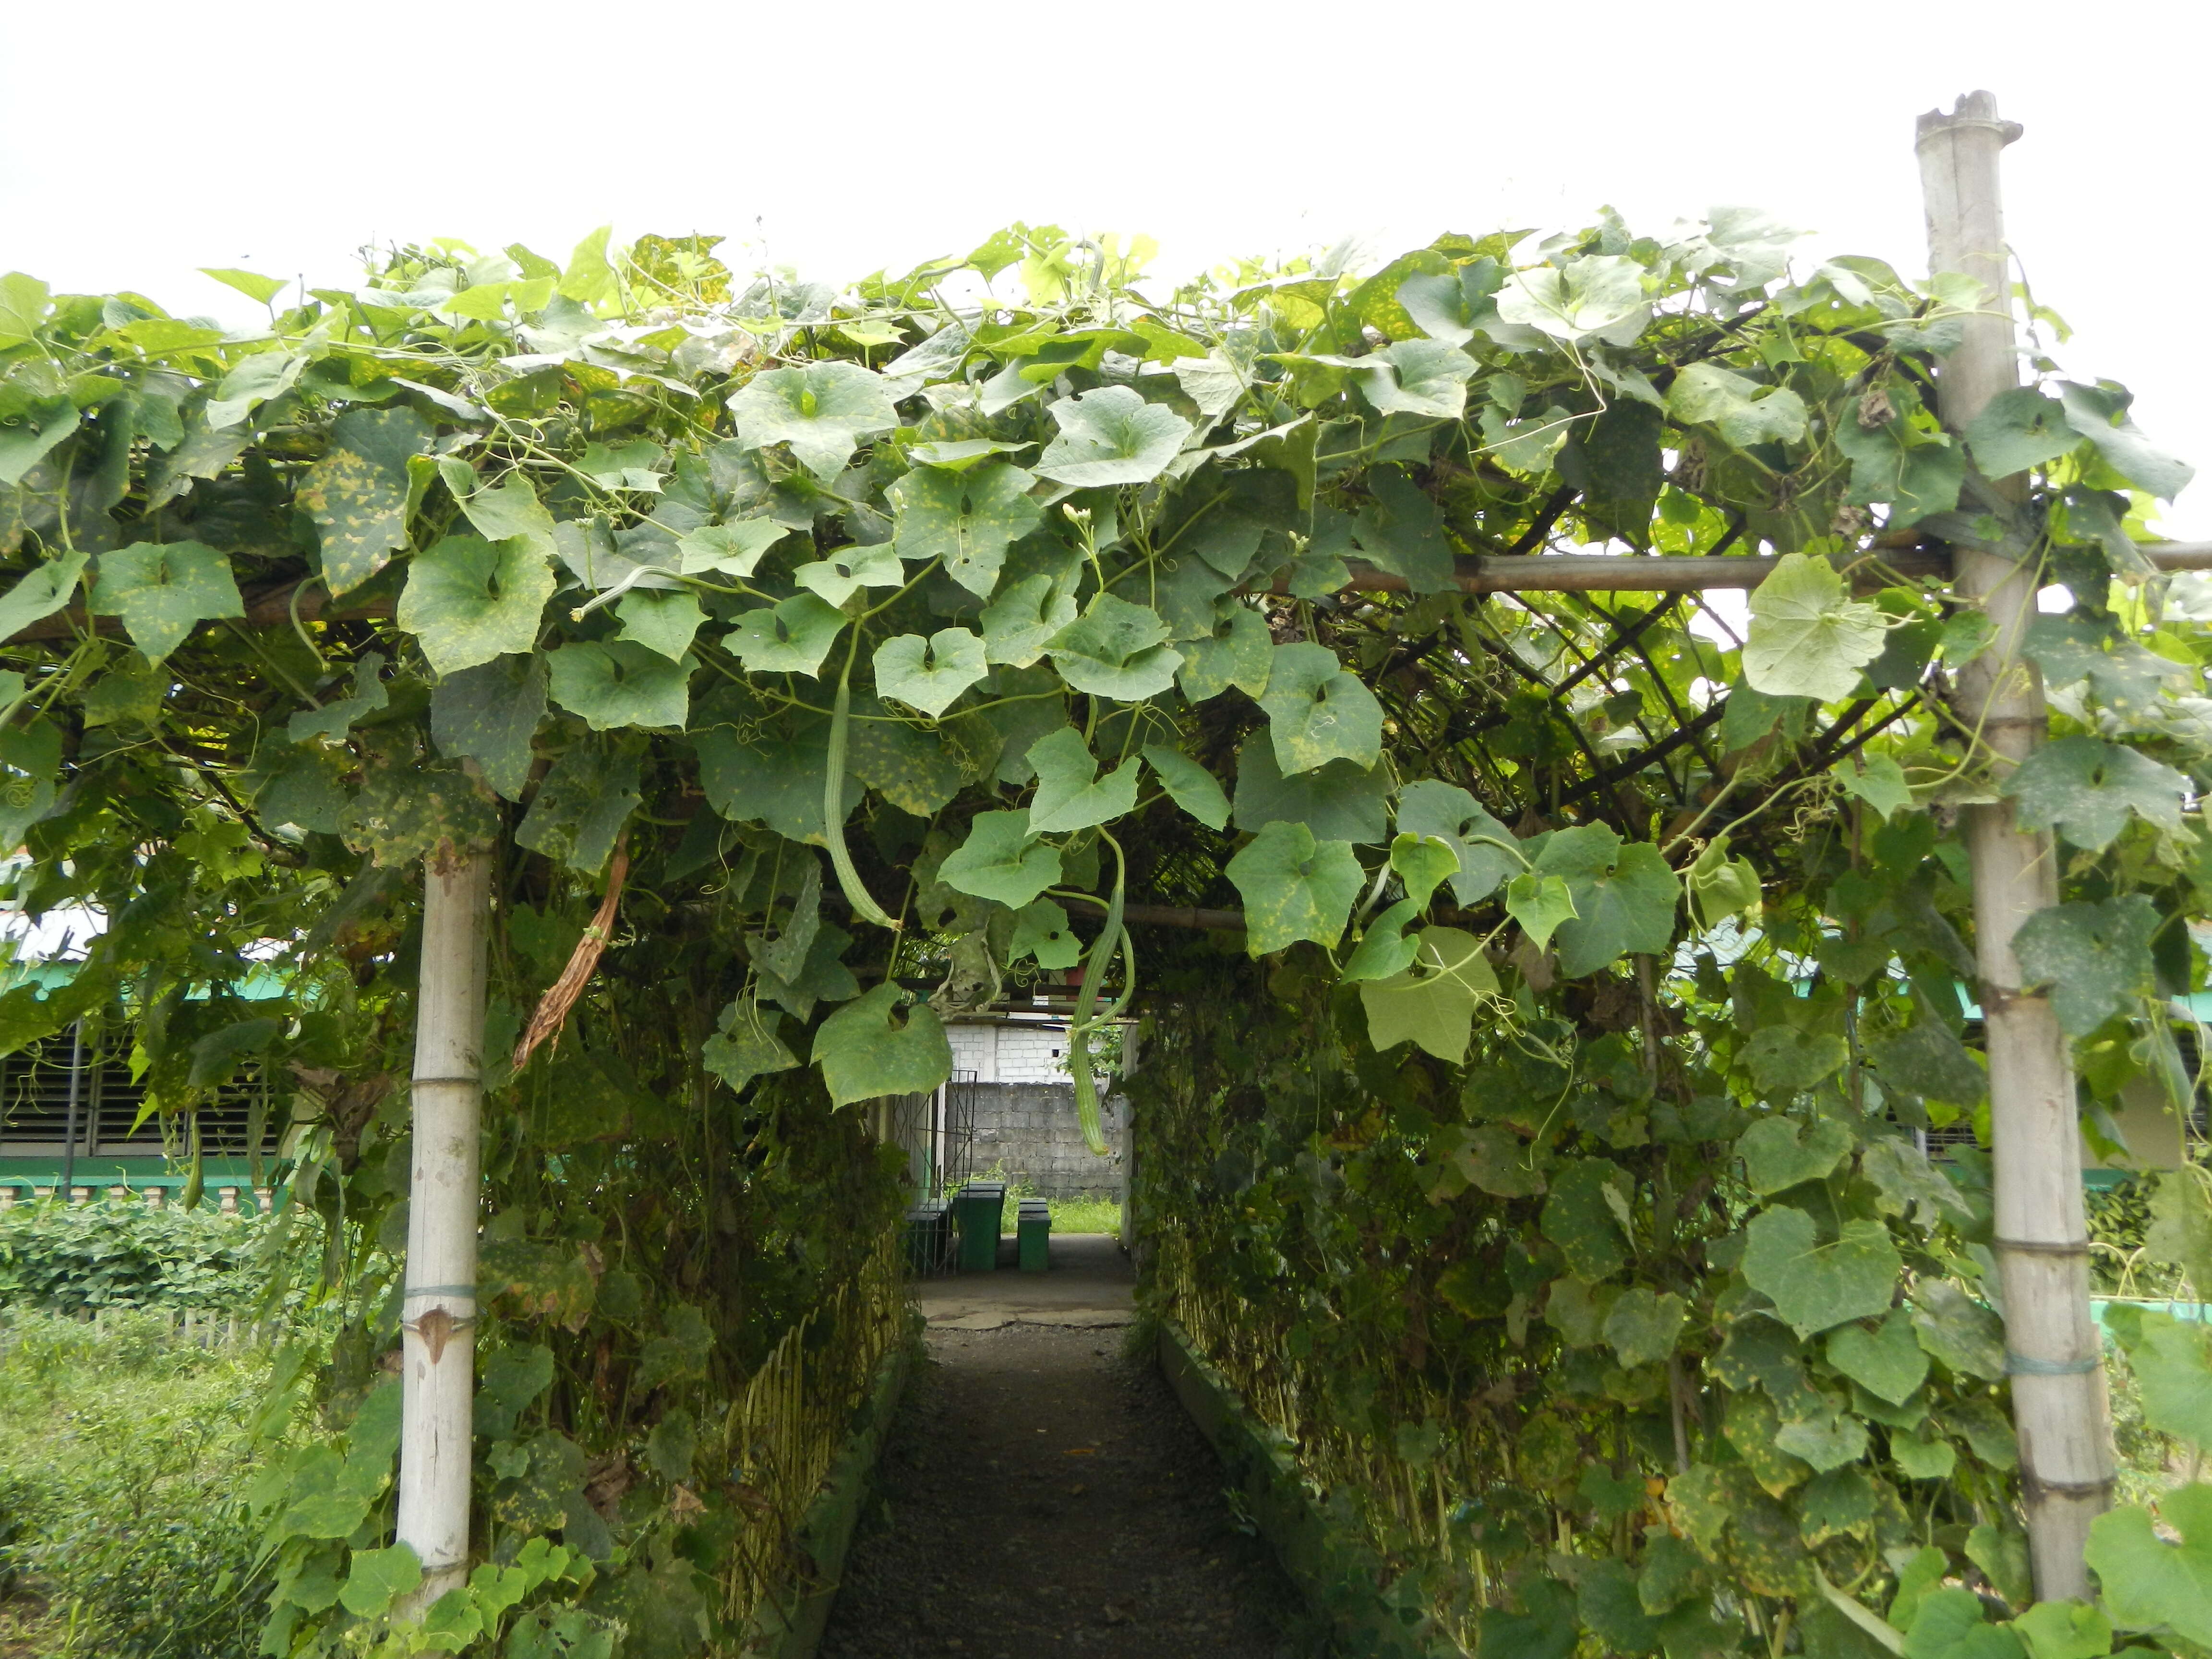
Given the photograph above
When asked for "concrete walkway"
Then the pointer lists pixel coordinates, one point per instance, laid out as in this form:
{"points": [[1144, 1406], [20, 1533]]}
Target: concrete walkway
{"points": [[1089, 1284]]}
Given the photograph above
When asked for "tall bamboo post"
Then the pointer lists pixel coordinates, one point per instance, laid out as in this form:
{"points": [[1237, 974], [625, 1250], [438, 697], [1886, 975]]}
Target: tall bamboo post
{"points": [[2059, 1407], [439, 1311]]}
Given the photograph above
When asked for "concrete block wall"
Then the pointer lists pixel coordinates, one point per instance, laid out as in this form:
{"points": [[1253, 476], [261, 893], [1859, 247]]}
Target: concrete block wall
{"points": [[1012, 1051], [1029, 1132]]}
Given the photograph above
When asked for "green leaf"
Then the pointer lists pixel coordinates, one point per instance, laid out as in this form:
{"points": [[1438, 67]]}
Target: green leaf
{"points": [[512, 1378], [1809, 638], [1294, 887], [1432, 1002], [825, 978], [2064, 1629], [589, 279], [1338, 802], [1024, 620], [30, 429], [2173, 1374], [1927, 1060], [1416, 377], [405, 812], [1001, 860], [2094, 957], [1877, 780], [1401, 530], [2151, 1584], [1624, 896], [1540, 904], [359, 493], [1816, 1286], [1583, 1216], [1190, 785], [1115, 650], [1887, 1362], [864, 1052], [1907, 1185], [468, 600], [930, 674], [1827, 1440], [744, 1045], [966, 520], [793, 638], [822, 410], [1777, 1156], [377, 1579], [260, 289], [501, 513], [1318, 711], [1916, 473], [2099, 413], [636, 465], [2086, 788], [1070, 793], [584, 802], [620, 684], [45, 589], [915, 771], [1422, 863], [1239, 651], [727, 549], [162, 589], [1597, 293], [1720, 886], [1041, 930], [1386, 949], [23, 304], [1957, 1330], [1112, 435], [2181, 1232], [334, 719], [1743, 411], [847, 571], [1784, 1060], [774, 777], [1950, 1623], [662, 620], [1642, 1326], [2017, 429], [1445, 812], [2123, 676]]}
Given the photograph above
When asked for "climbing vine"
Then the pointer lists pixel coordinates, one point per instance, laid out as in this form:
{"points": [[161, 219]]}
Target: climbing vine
{"points": [[864, 651]]}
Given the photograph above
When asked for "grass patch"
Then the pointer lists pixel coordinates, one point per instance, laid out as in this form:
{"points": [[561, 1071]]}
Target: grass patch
{"points": [[1085, 1215], [123, 1458]]}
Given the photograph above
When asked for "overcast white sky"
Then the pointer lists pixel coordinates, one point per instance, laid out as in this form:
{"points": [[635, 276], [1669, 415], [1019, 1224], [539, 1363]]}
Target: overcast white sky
{"points": [[141, 141]]}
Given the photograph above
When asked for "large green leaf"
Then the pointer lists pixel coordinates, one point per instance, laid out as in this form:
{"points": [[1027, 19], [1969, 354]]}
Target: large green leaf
{"points": [[1816, 1286], [1294, 887], [2018, 429], [1915, 472], [844, 573], [1642, 1325], [774, 777], [744, 1045], [1887, 1361], [30, 429], [620, 684], [45, 589], [822, 410], [1599, 294], [1957, 1330], [2152, 1584], [584, 802], [1338, 802], [1778, 1153], [359, 493], [1112, 436], [1190, 785], [1809, 637], [2099, 413], [929, 674], [1784, 1060], [865, 1051], [1025, 618], [1001, 860], [2173, 1367], [1416, 377], [162, 589], [660, 619], [1318, 711], [501, 513], [791, 638], [2096, 957], [1115, 650], [1239, 651], [967, 520], [1583, 1216], [1624, 894], [1741, 410], [1449, 814], [489, 714], [1041, 930], [468, 600], [1432, 1002], [2123, 677], [404, 813], [1401, 530], [1070, 793], [2087, 789]]}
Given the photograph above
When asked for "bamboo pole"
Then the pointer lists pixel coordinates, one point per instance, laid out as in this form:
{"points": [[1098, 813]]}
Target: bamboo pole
{"points": [[2059, 1408], [439, 1314]]}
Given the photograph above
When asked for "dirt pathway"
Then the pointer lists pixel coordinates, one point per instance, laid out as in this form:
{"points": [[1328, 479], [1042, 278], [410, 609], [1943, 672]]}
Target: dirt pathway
{"points": [[1042, 1495]]}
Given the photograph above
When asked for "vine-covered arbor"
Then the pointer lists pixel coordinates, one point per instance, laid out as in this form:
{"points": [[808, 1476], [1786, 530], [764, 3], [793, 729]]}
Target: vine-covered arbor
{"points": [[644, 701]]}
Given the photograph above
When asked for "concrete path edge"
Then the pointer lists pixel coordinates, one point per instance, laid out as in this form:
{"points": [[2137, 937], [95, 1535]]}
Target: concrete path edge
{"points": [[790, 1627], [1340, 1576]]}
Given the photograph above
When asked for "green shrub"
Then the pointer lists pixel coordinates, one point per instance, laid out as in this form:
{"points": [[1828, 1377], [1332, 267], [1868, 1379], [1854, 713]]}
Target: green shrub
{"points": [[122, 1456], [97, 1255]]}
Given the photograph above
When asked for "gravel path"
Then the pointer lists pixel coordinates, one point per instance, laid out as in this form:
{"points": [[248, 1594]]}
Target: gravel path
{"points": [[1039, 1496]]}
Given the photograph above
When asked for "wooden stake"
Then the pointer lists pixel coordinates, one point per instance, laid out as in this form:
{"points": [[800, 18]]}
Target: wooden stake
{"points": [[437, 1317], [2059, 1408]]}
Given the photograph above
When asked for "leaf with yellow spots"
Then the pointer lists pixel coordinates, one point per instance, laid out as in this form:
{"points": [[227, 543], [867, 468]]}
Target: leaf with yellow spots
{"points": [[357, 493]]}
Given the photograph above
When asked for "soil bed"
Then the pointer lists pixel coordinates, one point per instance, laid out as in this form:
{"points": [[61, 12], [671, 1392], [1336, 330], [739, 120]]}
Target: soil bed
{"points": [[1042, 1495]]}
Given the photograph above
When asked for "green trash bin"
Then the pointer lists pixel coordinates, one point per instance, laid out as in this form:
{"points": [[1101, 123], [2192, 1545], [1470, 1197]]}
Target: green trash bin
{"points": [[1033, 1234], [980, 1212]]}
